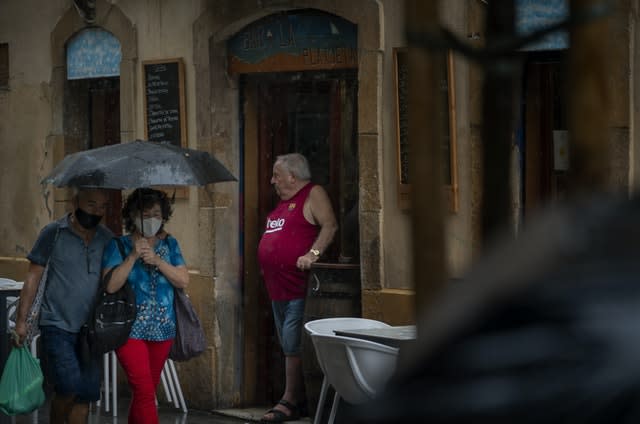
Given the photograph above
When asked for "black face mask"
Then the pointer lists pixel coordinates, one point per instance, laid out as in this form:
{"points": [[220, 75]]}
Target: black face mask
{"points": [[87, 220]]}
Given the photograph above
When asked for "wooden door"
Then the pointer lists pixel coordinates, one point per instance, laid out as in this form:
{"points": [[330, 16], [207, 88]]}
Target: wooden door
{"points": [[544, 116], [314, 117], [104, 127], [313, 114]]}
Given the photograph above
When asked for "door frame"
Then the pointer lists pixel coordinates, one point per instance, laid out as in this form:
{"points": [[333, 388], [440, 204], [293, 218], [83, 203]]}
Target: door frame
{"points": [[261, 364], [543, 113]]}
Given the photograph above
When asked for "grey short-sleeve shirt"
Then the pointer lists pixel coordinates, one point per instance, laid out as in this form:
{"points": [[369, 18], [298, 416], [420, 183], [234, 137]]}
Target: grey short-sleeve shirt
{"points": [[74, 273]]}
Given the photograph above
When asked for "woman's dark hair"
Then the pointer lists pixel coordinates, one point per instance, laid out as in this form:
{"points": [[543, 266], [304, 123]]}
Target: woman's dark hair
{"points": [[150, 197]]}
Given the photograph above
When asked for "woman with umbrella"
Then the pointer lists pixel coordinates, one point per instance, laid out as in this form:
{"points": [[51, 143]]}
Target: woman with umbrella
{"points": [[150, 260]]}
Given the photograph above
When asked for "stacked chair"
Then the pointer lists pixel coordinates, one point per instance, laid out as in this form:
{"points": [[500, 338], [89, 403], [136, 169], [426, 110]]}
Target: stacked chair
{"points": [[357, 369]]}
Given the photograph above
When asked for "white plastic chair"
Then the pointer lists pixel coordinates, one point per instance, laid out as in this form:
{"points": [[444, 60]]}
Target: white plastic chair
{"points": [[168, 377], [7, 282], [357, 369], [110, 381], [327, 326], [172, 387], [12, 307]]}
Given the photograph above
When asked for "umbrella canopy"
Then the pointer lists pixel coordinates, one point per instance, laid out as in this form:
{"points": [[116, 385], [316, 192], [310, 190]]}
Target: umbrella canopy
{"points": [[138, 164]]}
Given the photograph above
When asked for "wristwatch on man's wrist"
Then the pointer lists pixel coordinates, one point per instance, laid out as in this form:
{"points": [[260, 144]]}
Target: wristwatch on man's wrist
{"points": [[315, 252]]}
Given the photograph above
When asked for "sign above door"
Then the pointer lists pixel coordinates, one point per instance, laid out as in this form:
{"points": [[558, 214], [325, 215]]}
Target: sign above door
{"points": [[93, 53], [302, 40]]}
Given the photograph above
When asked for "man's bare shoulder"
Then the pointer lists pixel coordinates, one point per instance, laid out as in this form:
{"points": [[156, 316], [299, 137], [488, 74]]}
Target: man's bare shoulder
{"points": [[318, 193]]}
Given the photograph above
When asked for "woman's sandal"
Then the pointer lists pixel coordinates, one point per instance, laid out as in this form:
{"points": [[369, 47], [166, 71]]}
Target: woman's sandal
{"points": [[279, 416]]}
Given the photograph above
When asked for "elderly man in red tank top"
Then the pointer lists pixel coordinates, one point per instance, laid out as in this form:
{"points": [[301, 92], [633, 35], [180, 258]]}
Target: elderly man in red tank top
{"points": [[297, 232]]}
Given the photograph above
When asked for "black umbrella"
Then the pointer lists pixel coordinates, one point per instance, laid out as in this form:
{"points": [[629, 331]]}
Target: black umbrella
{"points": [[138, 164]]}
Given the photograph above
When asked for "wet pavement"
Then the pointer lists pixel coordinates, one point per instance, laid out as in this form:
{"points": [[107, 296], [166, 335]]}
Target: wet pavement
{"points": [[168, 415]]}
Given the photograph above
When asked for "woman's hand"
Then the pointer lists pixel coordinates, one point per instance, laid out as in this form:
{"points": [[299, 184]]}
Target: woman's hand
{"points": [[177, 275], [146, 252]]}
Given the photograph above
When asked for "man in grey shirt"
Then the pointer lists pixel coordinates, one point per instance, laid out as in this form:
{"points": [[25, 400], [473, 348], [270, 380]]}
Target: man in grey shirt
{"points": [[73, 247]]}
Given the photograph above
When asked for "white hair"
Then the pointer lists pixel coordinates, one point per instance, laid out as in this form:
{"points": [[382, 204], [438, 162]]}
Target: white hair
{"points": [[296, 164]]}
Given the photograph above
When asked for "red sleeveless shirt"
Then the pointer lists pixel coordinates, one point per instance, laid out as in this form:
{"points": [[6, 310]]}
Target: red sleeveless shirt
{"points": [[288, 235]]}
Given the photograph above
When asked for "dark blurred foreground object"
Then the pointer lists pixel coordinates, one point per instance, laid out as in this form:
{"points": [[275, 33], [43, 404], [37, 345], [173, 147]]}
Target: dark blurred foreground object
{"points": [[545, 329]]}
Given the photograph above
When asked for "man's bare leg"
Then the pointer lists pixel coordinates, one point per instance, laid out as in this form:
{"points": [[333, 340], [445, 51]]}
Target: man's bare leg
{"points": [[293, 386]]}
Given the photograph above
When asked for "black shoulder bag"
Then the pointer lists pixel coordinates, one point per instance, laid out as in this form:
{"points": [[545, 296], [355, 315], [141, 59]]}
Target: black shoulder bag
{"points": [[111, 320]]}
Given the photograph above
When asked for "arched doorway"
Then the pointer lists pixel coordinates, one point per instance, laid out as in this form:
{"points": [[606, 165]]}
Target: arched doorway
{"points": [[96, 104], [298, 90], [92, 100]]}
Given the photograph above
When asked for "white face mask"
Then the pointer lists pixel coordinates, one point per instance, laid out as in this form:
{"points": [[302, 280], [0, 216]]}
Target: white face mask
{"points": [[150, 226]]}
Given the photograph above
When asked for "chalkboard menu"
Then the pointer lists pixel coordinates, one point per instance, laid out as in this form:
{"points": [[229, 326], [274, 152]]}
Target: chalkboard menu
{"points": [[164, 101]]}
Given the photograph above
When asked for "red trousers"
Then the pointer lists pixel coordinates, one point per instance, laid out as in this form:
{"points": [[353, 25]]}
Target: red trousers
{"points": [[143, 361]]}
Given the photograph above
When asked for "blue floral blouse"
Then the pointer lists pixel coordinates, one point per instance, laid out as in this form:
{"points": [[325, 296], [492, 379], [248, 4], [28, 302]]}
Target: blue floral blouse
{"points": [[155, 317]]}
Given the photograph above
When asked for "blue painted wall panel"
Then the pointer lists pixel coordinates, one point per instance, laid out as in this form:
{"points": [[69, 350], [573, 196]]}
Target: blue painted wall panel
{"points": [[298, 40], [93, 53], [532, 15]]}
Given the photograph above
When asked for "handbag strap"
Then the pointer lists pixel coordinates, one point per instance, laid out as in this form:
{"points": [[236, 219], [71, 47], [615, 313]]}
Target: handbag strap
{"points": [[120, 248], [34, 309], [107, 277]]}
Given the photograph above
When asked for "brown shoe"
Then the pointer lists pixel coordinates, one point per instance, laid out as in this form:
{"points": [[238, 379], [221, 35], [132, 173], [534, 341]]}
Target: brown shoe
{"points": [[79, 413], [60, 408]]}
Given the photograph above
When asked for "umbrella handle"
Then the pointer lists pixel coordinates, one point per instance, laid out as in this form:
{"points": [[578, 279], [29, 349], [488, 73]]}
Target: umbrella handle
{"points": [[140, 209]]}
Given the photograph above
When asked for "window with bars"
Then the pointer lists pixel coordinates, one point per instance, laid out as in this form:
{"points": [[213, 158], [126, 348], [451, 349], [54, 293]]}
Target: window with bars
{"points": [[4, 65]]}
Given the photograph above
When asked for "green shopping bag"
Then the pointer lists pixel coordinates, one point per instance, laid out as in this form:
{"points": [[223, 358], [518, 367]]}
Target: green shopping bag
{"points": [[21, 383]]}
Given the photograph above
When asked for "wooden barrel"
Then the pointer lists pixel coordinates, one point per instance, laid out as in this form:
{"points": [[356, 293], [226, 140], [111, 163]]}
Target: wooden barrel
{"points": [[333, 291]]}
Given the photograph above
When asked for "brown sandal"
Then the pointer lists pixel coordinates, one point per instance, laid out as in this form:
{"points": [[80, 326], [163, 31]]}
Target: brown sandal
{"points": [[279, 416]]}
